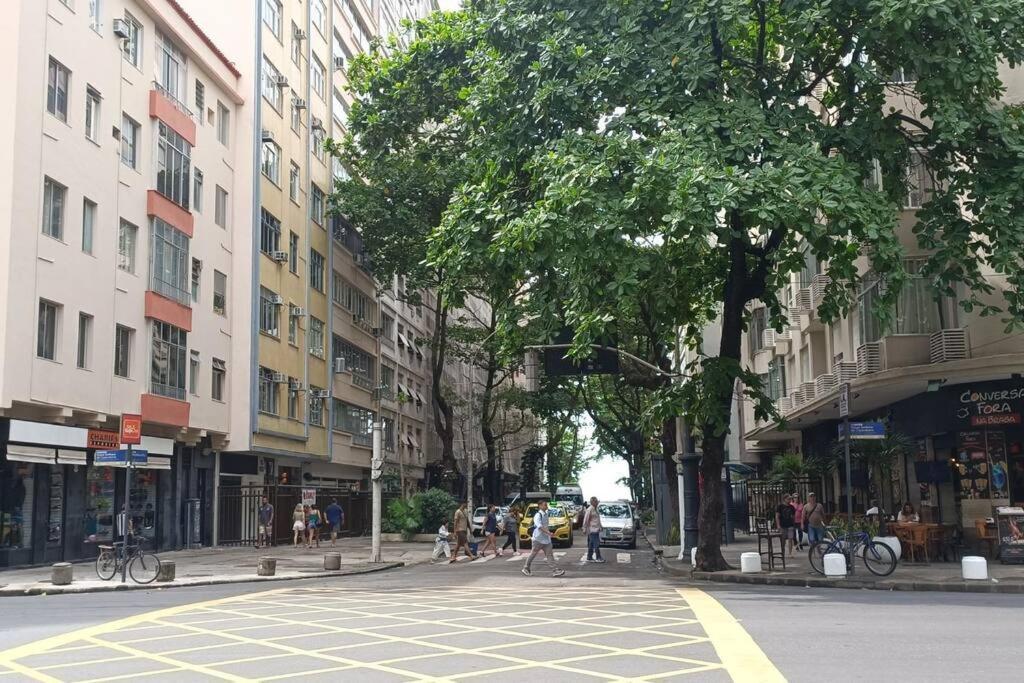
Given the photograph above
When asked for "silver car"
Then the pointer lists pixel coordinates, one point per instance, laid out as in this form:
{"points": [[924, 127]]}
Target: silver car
{"points": [[618, 526]]}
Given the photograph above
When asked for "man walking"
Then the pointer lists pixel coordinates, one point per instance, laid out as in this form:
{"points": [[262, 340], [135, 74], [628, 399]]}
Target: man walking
{"points": [[335, 518], [592, 527], [814, 518], [265, 533], [541, 540], [461, 526], [785, 520]]}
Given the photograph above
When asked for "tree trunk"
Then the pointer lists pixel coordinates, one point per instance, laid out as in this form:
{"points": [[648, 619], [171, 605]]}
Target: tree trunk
{"points": [[491, 486], [444, 416]]}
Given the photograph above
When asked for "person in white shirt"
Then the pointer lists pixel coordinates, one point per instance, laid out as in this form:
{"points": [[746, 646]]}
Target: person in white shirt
{"points": [[907, 514], [441, 543], [541, 541], [592, 527]]}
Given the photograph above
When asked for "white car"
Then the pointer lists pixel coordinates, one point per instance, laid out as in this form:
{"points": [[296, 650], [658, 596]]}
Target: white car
{"points": [[476, 523]]}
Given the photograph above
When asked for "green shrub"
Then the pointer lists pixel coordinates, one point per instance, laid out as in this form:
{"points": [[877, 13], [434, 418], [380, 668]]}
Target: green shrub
{"points": [[402, 517], [435, 506]]}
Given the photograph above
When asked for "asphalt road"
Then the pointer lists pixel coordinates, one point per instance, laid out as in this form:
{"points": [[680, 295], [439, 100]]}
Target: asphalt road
{"points": [[617, 621]]}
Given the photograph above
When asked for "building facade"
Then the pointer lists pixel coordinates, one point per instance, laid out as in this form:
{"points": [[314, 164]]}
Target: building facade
{"points": [[117, 208]]}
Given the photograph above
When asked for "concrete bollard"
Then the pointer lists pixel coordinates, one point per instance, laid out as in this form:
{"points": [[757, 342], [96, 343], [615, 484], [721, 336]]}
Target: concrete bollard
{"points": [[266, 567], [693, 556], [63, 574], [974, 568], [167, 571], [750, 563], [332, 561], [835, 564]]}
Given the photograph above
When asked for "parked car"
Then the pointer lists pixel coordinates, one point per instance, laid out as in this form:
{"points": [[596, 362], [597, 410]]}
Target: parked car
{"points": [[480, 515], [618, 524], [559, 522]]}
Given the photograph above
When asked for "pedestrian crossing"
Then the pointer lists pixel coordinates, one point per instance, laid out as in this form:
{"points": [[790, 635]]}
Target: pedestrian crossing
{"points": [[620, 558]]}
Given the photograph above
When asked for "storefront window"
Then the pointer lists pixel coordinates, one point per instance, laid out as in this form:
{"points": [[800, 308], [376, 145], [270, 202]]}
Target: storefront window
{"points": [[99, 506], [17, 480], [143, 505], [55, 526]]}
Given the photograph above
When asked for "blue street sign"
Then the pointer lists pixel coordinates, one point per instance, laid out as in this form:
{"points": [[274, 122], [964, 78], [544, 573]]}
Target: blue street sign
{"points": [[865, 430], [120, 457]]}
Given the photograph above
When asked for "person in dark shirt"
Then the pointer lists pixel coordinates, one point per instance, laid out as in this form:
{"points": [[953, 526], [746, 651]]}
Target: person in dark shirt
{"points": [[335, 517], [785, 522]]}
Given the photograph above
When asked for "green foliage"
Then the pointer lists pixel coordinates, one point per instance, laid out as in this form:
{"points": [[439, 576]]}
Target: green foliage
{"points": [[786, 469], [401, 517], [435, 506]]}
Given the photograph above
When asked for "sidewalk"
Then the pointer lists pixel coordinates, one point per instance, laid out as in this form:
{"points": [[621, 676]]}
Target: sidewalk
{"points": [[935, 576], [208, 566]]}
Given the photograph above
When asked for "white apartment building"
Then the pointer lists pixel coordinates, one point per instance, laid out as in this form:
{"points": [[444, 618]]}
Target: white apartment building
{"points": [[117, 206]]}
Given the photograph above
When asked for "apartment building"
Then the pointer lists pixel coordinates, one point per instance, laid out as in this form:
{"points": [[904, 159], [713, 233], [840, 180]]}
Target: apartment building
{"points": [[948, 380], [118, 201]]}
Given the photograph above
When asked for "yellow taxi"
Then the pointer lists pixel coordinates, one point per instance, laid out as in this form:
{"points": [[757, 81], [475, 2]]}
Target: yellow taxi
{"points": [[559, 523]]}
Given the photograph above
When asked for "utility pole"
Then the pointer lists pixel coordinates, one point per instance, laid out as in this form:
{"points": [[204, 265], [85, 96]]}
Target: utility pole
{"points": [[844, 412], [377, 462]]}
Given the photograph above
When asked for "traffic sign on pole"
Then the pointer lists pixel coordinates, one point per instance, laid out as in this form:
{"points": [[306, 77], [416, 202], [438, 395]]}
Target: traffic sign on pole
{"points": [[131, 429], [844, 399]]}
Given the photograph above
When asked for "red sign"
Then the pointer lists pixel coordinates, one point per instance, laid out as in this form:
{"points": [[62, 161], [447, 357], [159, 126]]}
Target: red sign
{"points": [[995, 420], [131, 429], [102, 440]]}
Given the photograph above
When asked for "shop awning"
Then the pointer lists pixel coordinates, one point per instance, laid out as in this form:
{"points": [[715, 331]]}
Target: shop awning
{"points": [[33, 454], [418, 351], [409, 440], [402, 341], [413, 442], [66, 457], [419, 398]]}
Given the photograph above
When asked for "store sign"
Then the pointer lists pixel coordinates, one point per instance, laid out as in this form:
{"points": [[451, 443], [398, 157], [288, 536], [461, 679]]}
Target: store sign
{"points": [[309, 496], [101, 439], [131, 429], [120, 457], [995, 420], [864, 430], [990, 408]]}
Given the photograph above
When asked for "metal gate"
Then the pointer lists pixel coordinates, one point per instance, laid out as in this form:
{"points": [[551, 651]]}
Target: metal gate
{"points": [[762, 496], [238, 511]]}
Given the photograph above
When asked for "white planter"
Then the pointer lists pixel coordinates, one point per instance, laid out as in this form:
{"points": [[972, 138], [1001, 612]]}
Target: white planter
{"points": [[892, 542]]}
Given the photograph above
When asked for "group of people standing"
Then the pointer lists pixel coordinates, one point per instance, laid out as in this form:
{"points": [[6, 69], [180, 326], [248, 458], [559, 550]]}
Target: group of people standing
{"points": [[795, 519]]}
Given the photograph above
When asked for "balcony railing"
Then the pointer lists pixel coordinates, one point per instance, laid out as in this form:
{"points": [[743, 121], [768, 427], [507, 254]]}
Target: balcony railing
{"points": [[172, 98]]}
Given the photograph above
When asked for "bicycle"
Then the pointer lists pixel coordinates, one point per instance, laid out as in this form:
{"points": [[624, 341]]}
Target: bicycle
{"points": [[879, 558], [143, 567]]}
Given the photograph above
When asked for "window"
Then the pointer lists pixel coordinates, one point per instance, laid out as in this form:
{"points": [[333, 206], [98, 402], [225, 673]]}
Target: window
{"points": [[917, 311], [349, 297], [123, 339], [903, 74], [46, 342], [296, 118], [129, 142], [171, 70], [200, 100], [354, 420], [758, 324], [270, 232], [88, 223], [316, 204], [360, 363], [293, 398], [57, 90], [267, 392], [318, 143], [218, 374], [339, 52], [316, 270], [197, 191], [920, 183], [340, 109], [293, 329], [54, 196], [296, 46], [167, 370], [318, 15], [197, 274], [293, 252], [220, 207], [776, 379], [388, 326], [223, 124], [272, 16], [269, 310], [173, 171], [317, 76], [338, 170], [131, 48], [387, 378], [271, 164], [220, 293], [316, 337], [271, 87], [127, 236], [94, 14], [169, 262], [293, 182], [92, 114], [316, 408], [389, 435], [193, 373]]}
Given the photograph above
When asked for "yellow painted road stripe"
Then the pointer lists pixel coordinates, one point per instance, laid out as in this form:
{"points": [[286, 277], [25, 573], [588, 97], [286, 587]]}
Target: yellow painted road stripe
{"points": [[741, 656]]}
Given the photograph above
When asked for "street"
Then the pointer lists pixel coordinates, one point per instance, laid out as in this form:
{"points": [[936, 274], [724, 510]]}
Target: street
{"points": [[617, 621]]}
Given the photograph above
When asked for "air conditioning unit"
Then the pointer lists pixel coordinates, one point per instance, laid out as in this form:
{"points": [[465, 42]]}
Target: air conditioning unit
{"points": [[122, 29], [339, 366], [947, 345], [869, 358], [267, 135], [339, 63], [317, 351], [279, 256], [801, 300], [844, 372], [767, 339], [298, 103], [818, 285], [297, 311], [317, 124], [359, 258], [279, 377], [808, 390], [798, 398], [825, 384], [277, 300], [320, 393], [784, 405], [282, 81], [295, 385], [299, 34]]}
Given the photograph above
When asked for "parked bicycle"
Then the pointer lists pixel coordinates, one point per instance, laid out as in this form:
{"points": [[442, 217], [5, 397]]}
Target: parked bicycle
{"points": [[143, 567], [879, 558]]}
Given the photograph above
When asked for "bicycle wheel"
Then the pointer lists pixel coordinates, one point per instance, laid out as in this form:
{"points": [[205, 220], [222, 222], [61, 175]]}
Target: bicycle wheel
{"points": [[144, 568], [106, 565], [816, 555], [879, 559]]}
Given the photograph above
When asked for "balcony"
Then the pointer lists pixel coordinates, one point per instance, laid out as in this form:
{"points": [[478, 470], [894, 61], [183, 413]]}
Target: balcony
{"points": [[166, 411], [893, 351], [165, 106]]}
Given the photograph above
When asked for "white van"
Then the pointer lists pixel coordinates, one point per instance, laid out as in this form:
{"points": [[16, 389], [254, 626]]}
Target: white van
{"points": [[570, 494]]}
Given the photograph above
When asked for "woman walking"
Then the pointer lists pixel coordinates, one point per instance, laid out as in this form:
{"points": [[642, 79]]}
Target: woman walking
{"points": [[511, 522], [313, 526], [490, 531], [298, 524]]}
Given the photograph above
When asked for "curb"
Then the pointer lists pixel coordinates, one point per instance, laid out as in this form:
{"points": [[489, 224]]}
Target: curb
{"points": [[45, 589]]}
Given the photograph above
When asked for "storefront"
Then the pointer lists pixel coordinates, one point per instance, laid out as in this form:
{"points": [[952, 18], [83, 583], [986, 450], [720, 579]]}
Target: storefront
{"points": [[56, 504]]}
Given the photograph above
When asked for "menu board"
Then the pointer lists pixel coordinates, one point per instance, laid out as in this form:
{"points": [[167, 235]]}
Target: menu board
{"points": [[99, 507], [1000, 485], [1010, 527], [972, 466]]}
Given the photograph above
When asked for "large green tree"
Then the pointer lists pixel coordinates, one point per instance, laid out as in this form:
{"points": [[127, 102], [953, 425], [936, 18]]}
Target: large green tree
{"points": [[688, 152]]}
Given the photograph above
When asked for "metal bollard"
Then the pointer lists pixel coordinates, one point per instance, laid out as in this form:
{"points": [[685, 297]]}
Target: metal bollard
{"points": [[63, 574], [167, 571], [266, 567], [332, 561]]}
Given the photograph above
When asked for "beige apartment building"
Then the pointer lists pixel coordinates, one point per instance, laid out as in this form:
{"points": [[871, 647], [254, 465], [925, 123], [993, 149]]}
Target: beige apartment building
{"points": [[125, 165]]}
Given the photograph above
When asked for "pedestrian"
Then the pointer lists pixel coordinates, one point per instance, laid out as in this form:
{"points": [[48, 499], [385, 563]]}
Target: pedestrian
{"points": [[592, 528], [784, 521], [298, 524], [490, 531], [798, 520], [265, 533], [541, 541], [313, 526], [461, 526], [511, 527], [441, 544], [814, 518], [335, 518]]}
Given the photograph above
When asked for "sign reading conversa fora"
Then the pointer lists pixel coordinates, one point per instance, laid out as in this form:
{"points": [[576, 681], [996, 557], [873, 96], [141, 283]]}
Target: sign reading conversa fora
{"points": [[990, 408]]}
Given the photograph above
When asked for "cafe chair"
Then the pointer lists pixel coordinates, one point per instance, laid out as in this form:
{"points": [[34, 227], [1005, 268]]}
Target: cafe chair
{"points": [[766, 534], [986, 537]]}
